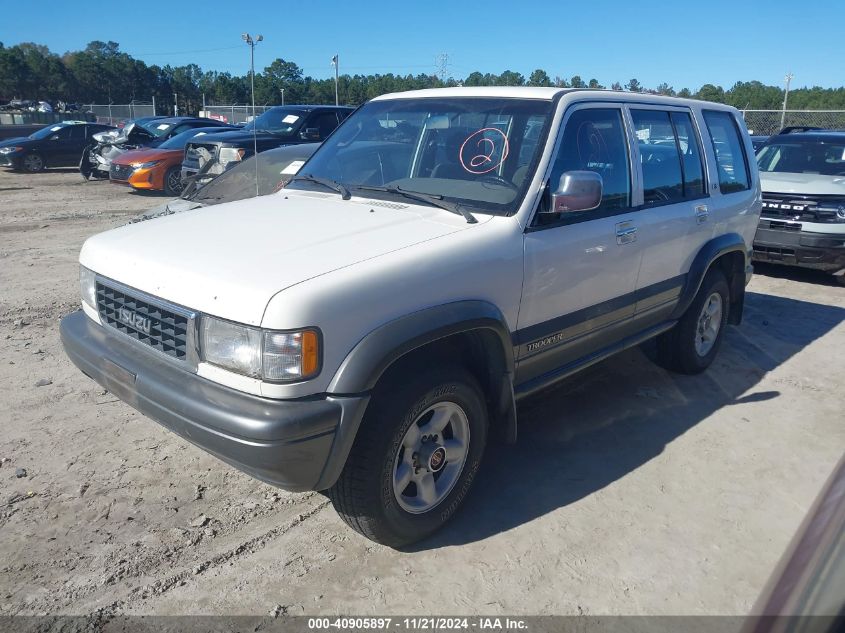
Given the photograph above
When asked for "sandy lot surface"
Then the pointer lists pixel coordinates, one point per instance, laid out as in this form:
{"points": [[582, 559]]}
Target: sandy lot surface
{"points": [[631, 491]]}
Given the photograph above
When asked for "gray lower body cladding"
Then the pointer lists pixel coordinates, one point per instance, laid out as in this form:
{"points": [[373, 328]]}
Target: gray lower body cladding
{"points": [[822, 251], [287, 443]]}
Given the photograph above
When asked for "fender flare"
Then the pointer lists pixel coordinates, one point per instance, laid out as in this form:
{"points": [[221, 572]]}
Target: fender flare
{"points": [[709, 253], [362, 368]]}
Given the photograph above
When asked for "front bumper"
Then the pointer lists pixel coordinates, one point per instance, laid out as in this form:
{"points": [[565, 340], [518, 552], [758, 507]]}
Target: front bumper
{"points": [[287, 443], [10, 160], [822, 251]]}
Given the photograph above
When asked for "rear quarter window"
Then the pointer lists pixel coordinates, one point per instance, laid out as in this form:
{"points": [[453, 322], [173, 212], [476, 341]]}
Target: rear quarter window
{"points": [[731, 161]]}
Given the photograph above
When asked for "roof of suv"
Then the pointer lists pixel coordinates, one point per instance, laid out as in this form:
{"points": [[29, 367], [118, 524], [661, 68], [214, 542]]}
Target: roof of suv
{"points": [[532, 92]]}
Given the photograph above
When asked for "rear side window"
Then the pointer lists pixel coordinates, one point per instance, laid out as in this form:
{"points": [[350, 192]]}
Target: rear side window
{"points": [[730, 153], [662, 177], [594, 140], [670, 156]]}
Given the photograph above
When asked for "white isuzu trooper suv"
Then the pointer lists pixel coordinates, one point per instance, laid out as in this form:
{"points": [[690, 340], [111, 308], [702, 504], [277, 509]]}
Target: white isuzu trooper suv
{"points": [[442, 255]]}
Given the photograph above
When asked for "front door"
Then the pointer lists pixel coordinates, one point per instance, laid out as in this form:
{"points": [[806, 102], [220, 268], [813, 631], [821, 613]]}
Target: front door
{"points": [[581, 267]]}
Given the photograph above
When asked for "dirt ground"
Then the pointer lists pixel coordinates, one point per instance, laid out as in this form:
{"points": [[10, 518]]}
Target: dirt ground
{"points": [[631, 491]]}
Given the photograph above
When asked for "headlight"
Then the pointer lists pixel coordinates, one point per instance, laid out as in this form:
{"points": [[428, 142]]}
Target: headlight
{"points": [[230, 155], [10, 150], [88, 286], [234, 347], [265, 354], [152, 163]]}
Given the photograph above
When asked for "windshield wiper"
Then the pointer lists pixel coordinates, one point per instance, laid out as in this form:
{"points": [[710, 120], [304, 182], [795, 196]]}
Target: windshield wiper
{"points": [[326, 182], [430, 198]]}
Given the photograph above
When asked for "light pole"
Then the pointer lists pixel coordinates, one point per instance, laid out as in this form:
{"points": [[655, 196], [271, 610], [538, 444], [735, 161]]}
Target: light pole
{"points": [[336, 64], [789, 77], [246, 37], [283, 95]]}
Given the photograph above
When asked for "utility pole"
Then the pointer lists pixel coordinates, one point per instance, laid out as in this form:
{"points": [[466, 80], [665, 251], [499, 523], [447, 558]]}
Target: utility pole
{"points": [[246, 37], [283, 95], [789, 77], [175, 104], [442, 63], [336, 64]]}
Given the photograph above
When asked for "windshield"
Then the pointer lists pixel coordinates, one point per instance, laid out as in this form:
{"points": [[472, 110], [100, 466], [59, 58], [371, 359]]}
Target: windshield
{"points": [[281, 121], [44, 132], [156, 127], [477, 152], [803, 157], [181, 140], [275, 169]]}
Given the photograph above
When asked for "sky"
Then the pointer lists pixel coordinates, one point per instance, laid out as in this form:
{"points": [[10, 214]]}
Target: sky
{"points": [[683, 43]]}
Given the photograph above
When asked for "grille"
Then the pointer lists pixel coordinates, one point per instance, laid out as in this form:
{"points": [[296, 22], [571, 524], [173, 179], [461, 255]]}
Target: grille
{"points": [[780, 226], [151, 324], [120, 172], [802, 208], [198, 154]]}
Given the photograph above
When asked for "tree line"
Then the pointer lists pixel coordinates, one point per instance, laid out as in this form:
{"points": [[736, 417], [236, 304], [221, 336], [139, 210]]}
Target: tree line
{"points": [[102, 73]]}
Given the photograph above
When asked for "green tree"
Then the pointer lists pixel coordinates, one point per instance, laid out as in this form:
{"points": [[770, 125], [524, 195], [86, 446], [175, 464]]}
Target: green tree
{"points": [[539, 78], [633, 86]]}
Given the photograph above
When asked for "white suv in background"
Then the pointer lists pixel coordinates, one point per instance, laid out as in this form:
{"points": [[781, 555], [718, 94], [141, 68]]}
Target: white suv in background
{"points": [[443, 254], [802, 175]]}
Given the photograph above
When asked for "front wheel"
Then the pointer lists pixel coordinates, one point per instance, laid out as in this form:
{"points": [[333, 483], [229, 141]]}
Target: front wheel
{"points": [[415, 457], [173, 181], [691, 345], [33, 163]]}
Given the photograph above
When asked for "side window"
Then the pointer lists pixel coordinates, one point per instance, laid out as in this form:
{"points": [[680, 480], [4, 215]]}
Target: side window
{"points": [[594, 140], [690, 155], [326, 122], [77, 132], [662, 177], [62, 134], [730, 154]]}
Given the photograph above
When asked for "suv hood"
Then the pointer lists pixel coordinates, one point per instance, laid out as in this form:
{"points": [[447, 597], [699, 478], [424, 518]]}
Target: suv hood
{"points": [[804, 184], [232, 258]]}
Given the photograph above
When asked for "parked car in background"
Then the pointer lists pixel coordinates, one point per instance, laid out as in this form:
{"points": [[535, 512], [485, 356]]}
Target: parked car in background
{"points": [[146, 132], [282, 125], [758, 141], [56, 145], [276, 167], [803, 221], [367, 329], [156, 168]]}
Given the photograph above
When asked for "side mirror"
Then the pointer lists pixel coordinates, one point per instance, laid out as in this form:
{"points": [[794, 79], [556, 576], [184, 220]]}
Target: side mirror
{"points": [[310, 134], [577, 191]]}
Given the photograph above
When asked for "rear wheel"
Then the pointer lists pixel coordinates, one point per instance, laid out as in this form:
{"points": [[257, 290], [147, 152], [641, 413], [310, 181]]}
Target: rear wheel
{"points": [[691, 345], [173, 181], [33, 162], [415, 457]]}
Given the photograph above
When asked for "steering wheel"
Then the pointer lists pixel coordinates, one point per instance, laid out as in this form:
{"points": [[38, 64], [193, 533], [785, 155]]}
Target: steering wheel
{"points": [[498, 180]]}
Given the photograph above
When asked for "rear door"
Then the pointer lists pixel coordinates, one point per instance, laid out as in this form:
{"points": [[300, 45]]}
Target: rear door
{"points": [[64, 147], [674, 221], [581, 267]]}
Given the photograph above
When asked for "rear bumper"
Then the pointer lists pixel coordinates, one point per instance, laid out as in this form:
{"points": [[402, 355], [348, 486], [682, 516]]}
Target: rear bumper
{"points": [[822, 251], [287, 443]]}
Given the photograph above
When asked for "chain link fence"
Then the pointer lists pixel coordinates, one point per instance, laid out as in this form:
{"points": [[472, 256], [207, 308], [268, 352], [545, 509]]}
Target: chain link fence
{"points": [[767, 122], [114, 114], [233, 113]]}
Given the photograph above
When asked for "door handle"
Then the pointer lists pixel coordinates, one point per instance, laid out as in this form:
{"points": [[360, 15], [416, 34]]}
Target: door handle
{"points": [[701, 213], [626, 232]]}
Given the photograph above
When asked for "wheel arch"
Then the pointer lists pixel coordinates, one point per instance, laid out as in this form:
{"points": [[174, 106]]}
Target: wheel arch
{"points": [[475, 332], [729, 253]]}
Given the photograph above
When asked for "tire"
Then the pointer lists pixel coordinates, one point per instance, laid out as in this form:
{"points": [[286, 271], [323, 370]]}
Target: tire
{"points": [[687, 348], [33, 162], [173, 181], [364, 495]]}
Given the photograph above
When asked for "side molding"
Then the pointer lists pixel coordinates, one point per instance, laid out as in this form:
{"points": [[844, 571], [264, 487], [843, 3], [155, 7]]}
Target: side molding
{"points": [[710, 252]]}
